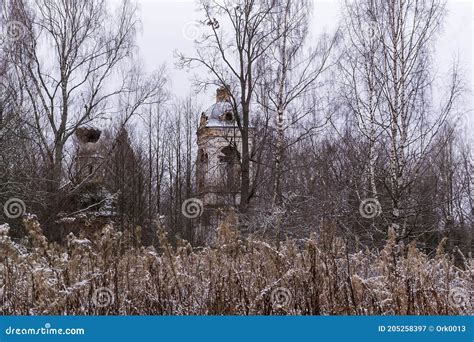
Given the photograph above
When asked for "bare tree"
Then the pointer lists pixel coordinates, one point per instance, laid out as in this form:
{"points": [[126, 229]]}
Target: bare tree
{"points": [[239, 36], [90, 42], [291, 74], [390, 77]]}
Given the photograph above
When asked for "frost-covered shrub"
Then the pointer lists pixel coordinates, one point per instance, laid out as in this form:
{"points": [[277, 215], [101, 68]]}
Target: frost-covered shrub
{"points": [[110, 274]]}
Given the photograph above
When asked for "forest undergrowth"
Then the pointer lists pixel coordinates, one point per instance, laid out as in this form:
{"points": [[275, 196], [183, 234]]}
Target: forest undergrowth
{"points": [[111, 274]]}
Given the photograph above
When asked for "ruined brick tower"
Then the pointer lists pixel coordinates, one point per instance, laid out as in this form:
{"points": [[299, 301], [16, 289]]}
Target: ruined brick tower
{"points": [[90, 173], [88, 158], [91, 205], [218, 165]]}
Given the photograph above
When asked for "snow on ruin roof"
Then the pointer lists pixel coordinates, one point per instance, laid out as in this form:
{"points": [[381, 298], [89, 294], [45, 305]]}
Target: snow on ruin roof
{"points": [[215, 114]]}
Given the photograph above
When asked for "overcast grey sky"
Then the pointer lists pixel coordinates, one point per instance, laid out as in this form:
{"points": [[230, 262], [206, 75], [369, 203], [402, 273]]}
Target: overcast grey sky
{"points": [[168, 26]]}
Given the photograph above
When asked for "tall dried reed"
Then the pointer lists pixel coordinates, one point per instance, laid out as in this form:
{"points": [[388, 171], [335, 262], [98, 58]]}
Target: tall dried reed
{"points": [[240, 276]]}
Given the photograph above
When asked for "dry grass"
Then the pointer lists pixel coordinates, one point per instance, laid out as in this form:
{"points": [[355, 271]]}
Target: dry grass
{"points": [[240, 277]]}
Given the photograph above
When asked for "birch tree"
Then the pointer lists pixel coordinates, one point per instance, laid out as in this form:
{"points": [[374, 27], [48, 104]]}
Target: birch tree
{"points": [[292, 73], [398, 85]]}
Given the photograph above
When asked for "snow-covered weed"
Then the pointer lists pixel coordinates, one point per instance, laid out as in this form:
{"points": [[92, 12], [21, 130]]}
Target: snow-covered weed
{"points": [[112, 274]]}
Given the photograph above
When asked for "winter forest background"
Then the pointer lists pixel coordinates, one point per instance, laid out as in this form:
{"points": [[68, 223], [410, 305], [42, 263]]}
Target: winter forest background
{"points": [[356, 165]]}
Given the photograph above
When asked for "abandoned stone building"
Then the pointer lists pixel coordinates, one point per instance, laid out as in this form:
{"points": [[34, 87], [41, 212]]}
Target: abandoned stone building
{"points": [[90, 170], [218, 172], [218, 165], [91, 205], [88, 156]]}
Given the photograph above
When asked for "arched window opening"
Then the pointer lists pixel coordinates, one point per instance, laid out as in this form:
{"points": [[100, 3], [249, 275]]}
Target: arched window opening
{"points": [[230, 160], [228, 116], [203, 157]]}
